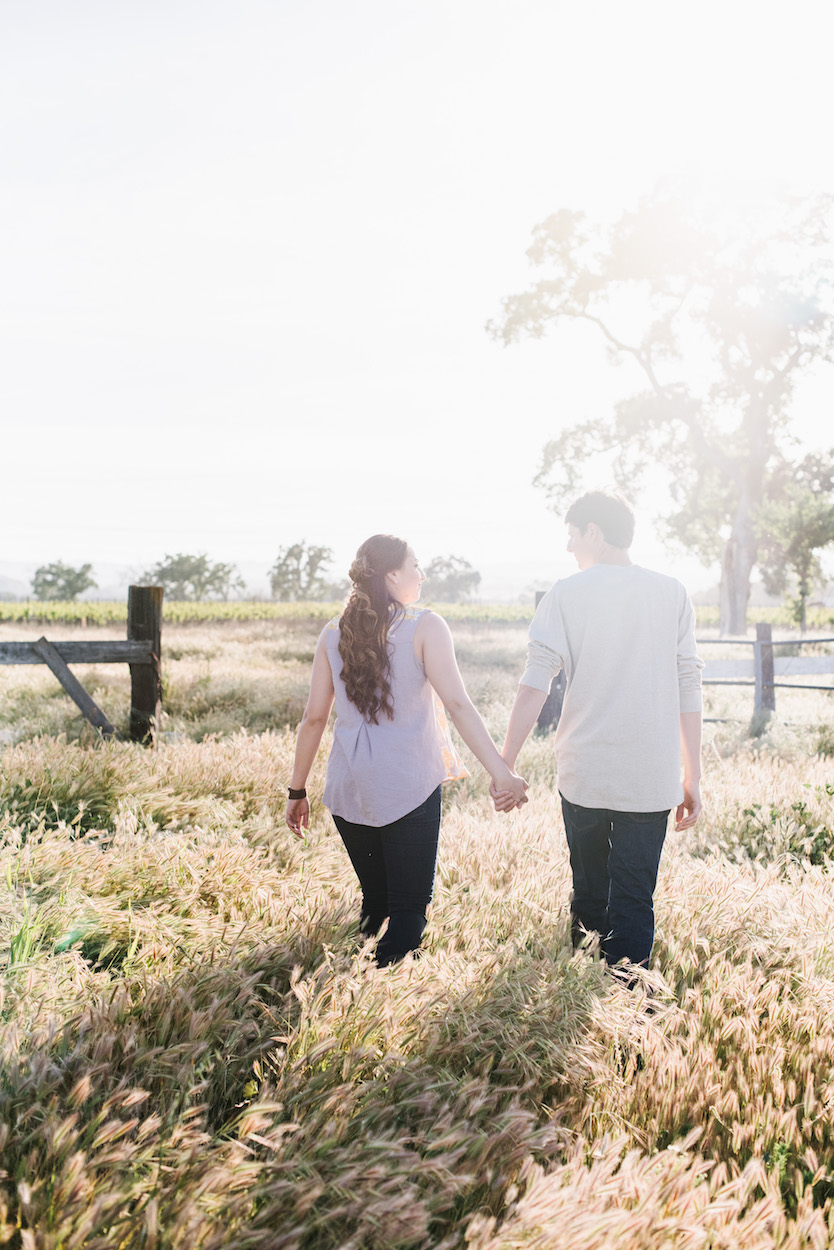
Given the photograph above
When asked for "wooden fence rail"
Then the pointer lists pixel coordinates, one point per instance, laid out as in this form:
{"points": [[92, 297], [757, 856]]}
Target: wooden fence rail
{"points": [[141, 651], [762, 669], [80, 652]]}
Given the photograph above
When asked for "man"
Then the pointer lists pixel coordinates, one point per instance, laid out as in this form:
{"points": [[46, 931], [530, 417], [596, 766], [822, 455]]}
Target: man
{"points": [[625, 637]]}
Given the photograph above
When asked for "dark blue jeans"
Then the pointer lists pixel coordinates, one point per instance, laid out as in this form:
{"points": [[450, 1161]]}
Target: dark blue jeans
{"points": [[614, 857], [395, 865]]}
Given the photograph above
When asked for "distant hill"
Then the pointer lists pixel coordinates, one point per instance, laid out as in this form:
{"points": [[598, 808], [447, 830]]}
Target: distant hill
{"points": [[13, 587]]}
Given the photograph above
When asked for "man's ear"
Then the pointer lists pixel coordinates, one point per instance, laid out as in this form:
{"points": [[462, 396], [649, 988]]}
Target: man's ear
{"points": [[593, 532]]}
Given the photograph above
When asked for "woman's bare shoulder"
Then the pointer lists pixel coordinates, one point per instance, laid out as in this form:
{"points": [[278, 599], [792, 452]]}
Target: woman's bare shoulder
{"points": [[431, 625]]}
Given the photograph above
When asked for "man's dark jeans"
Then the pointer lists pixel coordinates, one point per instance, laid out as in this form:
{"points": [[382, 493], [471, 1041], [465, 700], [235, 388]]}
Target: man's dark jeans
{"points": [[395, 865], [614, 857]]}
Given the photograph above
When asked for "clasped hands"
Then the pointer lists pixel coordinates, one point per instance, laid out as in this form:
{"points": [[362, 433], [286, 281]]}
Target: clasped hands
{"points": [[507, 797]]}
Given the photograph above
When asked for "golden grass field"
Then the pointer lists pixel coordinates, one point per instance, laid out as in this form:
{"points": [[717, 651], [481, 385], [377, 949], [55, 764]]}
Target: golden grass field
{"points": [[197, 1052]]}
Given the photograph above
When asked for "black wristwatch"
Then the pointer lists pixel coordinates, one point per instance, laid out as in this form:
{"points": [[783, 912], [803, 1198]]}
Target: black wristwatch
{"points": [[297, 794]]}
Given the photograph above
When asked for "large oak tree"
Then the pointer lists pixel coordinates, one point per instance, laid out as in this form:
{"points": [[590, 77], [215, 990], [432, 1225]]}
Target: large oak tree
{"points": [[721, 310]]}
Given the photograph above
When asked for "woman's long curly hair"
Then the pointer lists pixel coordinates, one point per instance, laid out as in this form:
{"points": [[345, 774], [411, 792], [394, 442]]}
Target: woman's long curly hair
{"points": [[364, 626]]}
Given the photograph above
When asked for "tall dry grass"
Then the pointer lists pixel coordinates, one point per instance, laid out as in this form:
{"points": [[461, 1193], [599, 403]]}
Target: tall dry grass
{"points": [[196, 1050]]}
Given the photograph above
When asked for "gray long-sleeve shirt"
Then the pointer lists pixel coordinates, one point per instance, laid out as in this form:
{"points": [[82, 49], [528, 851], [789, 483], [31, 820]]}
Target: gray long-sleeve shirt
{"points": [[625, 637]]}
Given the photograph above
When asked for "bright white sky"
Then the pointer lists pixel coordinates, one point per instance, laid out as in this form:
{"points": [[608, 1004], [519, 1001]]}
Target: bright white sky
{"points": [[250, 246]]}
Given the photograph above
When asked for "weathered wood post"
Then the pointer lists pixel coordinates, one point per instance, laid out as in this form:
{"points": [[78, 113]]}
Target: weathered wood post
{"points": [[552, 709], [144, 623], [765, 696]]}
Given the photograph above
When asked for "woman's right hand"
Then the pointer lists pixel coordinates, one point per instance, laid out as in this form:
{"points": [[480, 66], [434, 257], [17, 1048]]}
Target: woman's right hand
{"points": [[508, 793]]}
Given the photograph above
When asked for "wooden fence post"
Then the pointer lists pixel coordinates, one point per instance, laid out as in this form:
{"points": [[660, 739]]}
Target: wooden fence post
{"points": [[552, 709], [144, 623], [765, 696]]}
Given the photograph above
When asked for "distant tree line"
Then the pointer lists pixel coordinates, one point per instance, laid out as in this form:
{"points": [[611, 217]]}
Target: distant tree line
{"points": [[300, 573], [795, 525]]}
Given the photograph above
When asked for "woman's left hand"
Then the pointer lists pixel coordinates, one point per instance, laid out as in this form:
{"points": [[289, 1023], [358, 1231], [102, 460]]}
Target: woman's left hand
{"points": [[298, 816]]}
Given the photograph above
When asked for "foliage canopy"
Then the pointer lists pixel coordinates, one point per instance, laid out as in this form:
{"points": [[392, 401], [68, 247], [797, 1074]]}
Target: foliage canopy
{"points": [[795, 524], [194, 577], [450, 579], [299, 573], [720, 311], [62, 581]]}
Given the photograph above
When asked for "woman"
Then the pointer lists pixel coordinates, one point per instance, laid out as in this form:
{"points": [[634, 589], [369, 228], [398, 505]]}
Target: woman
{"points": [[386, 662]]}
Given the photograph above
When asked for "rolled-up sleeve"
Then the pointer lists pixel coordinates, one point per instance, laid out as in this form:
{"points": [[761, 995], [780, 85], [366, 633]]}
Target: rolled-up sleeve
{"points": [[689, 662], [546, 647]]}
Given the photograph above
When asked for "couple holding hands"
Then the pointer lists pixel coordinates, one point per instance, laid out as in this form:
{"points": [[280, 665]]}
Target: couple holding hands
{"points": [[632, 711]]}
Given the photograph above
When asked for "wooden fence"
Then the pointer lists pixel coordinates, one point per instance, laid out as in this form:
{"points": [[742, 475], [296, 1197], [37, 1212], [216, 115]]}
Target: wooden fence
{"points": [[762, 670], [141, 652]]}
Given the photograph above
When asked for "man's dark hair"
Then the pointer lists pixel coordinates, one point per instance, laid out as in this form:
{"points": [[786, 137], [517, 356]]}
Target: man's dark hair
{"points": [[609, 510]]}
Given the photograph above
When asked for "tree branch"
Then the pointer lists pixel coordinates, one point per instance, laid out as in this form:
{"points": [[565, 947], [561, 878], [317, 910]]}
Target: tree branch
{"points": [[706, 449]]}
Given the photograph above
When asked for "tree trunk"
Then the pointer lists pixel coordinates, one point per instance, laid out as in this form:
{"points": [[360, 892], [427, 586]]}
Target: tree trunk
{"points": [[740, 550], [804, 595], [736, 566]]}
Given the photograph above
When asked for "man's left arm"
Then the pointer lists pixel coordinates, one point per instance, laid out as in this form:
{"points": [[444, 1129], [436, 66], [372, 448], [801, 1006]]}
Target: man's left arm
{"points": [[529, 702]]}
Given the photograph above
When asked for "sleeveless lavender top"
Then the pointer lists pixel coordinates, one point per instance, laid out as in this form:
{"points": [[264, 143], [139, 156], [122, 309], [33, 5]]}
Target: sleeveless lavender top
{"points": [[378, 773]]}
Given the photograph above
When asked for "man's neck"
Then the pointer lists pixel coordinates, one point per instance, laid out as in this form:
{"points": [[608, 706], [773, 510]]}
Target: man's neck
{"points": [[613, 555]]}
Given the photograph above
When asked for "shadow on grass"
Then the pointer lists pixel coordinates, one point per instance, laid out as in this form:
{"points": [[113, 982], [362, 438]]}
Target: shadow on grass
{"points": [[296, 1086]]}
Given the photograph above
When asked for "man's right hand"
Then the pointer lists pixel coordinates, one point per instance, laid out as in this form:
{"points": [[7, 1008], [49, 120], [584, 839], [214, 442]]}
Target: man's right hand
{"points": [[689, 810]]}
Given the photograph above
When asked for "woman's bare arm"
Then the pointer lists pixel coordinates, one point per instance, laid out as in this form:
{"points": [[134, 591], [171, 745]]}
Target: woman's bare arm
{"points": [[435, 647], [310, 731]]}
